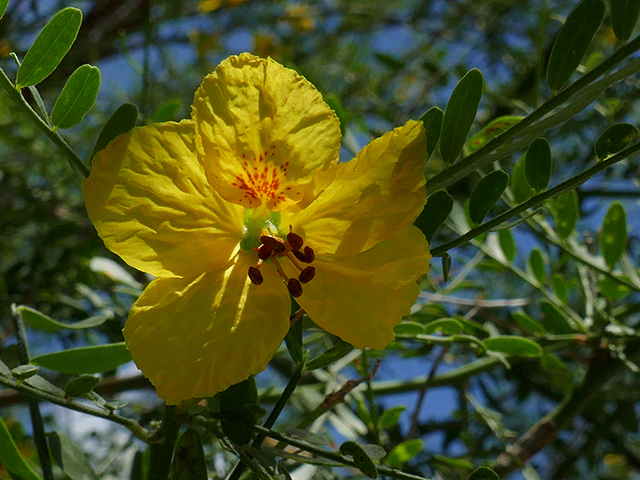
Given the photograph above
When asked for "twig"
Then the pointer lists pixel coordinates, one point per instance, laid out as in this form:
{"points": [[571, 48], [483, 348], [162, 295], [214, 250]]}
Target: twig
{"points": [[423, 393]]}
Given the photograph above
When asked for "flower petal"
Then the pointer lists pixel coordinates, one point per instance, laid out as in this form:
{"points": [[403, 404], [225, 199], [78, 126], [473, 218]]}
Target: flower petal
{"points": [[371, 197], [196, 337], [150, 201], [262, 132], [362, 297]]}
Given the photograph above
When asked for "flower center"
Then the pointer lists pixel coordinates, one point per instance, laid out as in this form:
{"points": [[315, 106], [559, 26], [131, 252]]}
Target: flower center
{"points": [[262, 182], [293, 249]]}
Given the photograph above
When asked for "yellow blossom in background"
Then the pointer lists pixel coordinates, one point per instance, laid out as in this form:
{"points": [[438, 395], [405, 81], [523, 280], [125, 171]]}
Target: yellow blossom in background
{"points": [[301, 16], [210, 5], [246, 204]]}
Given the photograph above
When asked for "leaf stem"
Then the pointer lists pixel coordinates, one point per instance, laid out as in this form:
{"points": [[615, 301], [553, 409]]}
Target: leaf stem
{"points": [[133, 426], [74, 160], [565, 186], [475, 160]]}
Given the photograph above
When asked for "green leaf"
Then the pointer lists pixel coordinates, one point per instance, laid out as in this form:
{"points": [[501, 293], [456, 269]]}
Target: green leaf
{"points": [[519, 186], [80, 386], [536, 262], [446, 266], [445, 326], [434, 214], [167, 111], [459, 114], [486, 194], [560, 376], [71, 460], [188, 460], [494, 128], [48, 50], [360, 457], [613, 236], [11, 458], [409, 328], [41, 384], [554, 319], [512, 345], [40, 321], [573, 41], [527, 323], [77, 98], [611, 289], [389, 418], [335, 353], [95, 359], [432, 121], [3, 7], [560, 287], [483, 473], [440, 461], [615, 138], [507, 244], [293, 341], [565, 211], [538, 164], [309, 437], [122, 120], [624, 16], [240, 403], [23, 372], [404, 452]]}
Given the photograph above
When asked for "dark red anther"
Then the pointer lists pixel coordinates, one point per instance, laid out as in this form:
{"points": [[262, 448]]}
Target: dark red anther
{"points": [[299, 255], [255, 276], [264, 252], [273, 243], [307, 275], [295, 287], [295, 241], [309, 254]]}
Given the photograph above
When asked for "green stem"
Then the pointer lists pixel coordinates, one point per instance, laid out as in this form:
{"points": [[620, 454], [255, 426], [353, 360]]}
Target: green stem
{"points": [[565, 186], [23, 387], [74, 160], [475, 160], [273, 416], [39, 435], [161, 453], [336, 457]]}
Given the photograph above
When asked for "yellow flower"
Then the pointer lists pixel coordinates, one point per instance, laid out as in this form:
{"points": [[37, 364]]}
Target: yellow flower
{"points": [[246, 203]]}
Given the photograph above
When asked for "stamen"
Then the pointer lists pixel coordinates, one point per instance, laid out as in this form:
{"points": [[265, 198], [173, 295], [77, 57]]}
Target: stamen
{"points": [[309, 254], [255, 276], [307, 275], [276, 245], [264, 252], [294, 261], [295, 241], [299, 255], [294, 287]]}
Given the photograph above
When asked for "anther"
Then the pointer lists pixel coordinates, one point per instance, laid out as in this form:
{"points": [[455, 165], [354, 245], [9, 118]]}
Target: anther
{"points": [[277, 246], [264, 252], [309, 254], [255, 276], [299, 255], [294, 287], [307, 275], [295, 241]]}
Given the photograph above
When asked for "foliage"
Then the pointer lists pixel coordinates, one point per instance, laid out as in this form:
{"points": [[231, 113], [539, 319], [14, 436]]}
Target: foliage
{"points": [[520, 356]]}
